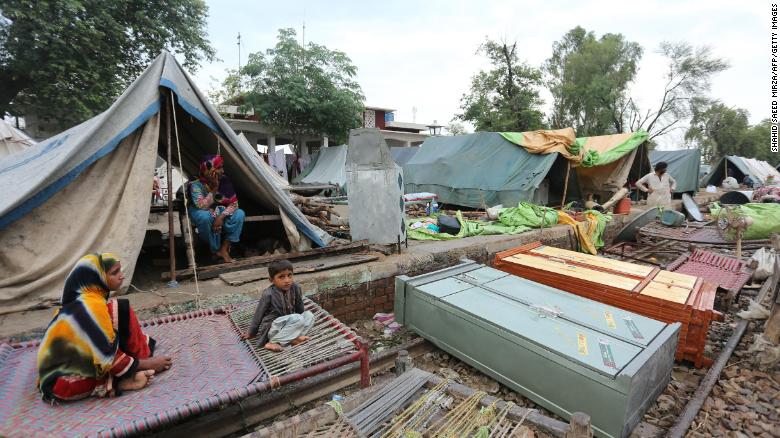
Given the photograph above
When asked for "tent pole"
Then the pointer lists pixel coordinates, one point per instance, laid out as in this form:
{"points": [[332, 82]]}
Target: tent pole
{"points": [[565, 184], [171, 234]]}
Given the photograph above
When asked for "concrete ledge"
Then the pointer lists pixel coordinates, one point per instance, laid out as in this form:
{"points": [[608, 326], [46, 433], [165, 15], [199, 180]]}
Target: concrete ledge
{"points": [[368, 287]]}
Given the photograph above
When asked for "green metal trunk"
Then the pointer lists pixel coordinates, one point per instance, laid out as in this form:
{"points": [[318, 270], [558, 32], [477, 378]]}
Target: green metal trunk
{"points": [[564, 352]]}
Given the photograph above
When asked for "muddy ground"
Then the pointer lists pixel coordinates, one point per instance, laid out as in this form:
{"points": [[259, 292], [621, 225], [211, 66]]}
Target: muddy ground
{"points": [[744, 403]]}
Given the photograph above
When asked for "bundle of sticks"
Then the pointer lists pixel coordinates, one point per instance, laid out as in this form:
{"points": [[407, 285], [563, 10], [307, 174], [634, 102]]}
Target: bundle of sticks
{"points": [[416, 210], [321, 214]]}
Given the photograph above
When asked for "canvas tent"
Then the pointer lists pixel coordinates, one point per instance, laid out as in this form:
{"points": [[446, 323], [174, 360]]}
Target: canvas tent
{"points": [[611, 161], [684, 167], [12, 140], [402, 155], [330, 167], [740, 167], [481, 169], [88, 188]]}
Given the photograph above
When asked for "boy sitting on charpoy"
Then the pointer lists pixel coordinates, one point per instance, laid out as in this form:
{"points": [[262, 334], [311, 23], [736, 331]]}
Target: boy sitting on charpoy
{"points": [[280, 318]]}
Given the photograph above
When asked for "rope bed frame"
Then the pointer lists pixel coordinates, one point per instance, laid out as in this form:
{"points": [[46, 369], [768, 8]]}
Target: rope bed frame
{"points": [[328, 339], [233, 371]]}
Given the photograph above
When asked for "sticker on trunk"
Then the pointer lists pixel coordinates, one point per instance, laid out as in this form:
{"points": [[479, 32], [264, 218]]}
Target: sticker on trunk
{"points": [[633, 328], [582, 344], [610, 319], [606, 354]]}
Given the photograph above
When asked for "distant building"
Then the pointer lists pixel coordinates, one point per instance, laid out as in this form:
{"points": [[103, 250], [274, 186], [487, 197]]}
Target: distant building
{"points": [[396, 134], [257, 134]]}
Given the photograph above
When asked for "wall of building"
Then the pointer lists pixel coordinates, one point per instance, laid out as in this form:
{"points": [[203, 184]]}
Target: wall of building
{"points": [[361, 291]]}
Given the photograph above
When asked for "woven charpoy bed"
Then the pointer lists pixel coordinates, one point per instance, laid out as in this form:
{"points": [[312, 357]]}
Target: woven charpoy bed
{"points": [[213, 368]]}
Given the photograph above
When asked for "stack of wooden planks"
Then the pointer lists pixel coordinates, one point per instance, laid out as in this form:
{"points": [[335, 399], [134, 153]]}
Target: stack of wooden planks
{"points": [[661, 295]]}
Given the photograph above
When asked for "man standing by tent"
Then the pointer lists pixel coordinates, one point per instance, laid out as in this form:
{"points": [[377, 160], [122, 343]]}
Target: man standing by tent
{"points": [[658, 185]]}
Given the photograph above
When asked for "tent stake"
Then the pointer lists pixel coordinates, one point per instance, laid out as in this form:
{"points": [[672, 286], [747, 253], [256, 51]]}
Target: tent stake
{"points": [[171, 234], [566, 184]]}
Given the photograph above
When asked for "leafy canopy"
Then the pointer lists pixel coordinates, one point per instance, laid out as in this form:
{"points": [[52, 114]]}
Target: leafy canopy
{"points": [[300, 90], [456, 128], [506, 97], [687, 81], [69, 59], [589, 79], [720, 130]]}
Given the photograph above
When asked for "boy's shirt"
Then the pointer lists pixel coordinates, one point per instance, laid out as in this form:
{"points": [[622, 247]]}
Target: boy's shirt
{"points": [[272, 305]]}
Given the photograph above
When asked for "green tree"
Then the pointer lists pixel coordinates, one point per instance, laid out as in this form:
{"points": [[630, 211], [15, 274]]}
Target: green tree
{"points": [[720, 130], [68, 60], [589, 79], [299, 90], [505, 98], [758, 136], [456, 128], [687, 79]]}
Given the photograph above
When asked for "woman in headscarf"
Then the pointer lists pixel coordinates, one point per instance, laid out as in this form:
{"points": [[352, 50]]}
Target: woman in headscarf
{"points": [[94, 345], [215, 209]]}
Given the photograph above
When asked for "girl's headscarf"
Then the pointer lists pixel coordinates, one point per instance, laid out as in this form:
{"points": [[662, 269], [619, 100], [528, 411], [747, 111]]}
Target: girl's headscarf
{"points": [[225, 194], [80, 340], [208, 168]]}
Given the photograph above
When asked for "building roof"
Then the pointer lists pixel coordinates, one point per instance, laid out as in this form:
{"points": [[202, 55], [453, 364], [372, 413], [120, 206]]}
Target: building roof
{"points": [[379, 108], [406, 125]]}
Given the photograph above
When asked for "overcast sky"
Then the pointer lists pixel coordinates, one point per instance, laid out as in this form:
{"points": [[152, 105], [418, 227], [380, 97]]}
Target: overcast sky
{"points": [[422, 54]]}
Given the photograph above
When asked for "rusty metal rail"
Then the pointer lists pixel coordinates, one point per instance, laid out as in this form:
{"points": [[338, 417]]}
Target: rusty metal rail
{"points": [[688, 414]]}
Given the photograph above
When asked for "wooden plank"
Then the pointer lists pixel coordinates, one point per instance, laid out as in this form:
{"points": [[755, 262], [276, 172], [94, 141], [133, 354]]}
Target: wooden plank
{"points": [[645, 281], [676, 279], [601, 262], [566, 269], [249, 275], [666, 292], [263, 218], [213, 271]]}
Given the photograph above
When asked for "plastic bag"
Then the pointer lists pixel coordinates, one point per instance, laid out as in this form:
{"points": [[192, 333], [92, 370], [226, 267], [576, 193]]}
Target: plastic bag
{"points": [[493, 212], [765, 258]]}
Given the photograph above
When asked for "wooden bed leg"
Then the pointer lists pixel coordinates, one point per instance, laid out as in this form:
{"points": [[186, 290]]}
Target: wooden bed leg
{"points": [[365, 370], [579, 426]]}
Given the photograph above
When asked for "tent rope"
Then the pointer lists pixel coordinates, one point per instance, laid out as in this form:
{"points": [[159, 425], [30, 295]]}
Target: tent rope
{"points": [[186, 209]]}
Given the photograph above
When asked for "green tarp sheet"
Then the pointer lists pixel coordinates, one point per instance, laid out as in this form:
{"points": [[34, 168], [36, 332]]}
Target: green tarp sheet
{"points": [[595, 158], [683, 167], [402, 155], [598, 234], [766, 219], [467, 229], [528, 215], [476, 169]]}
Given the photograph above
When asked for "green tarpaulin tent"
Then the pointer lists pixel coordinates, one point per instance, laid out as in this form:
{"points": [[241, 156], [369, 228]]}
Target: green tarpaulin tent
{"points": [[484, 169], [683, 167], [402, 155]]}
